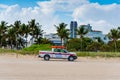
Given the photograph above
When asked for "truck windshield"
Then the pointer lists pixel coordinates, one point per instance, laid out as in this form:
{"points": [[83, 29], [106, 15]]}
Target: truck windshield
{"points": [[61, 50], [65, 51]]}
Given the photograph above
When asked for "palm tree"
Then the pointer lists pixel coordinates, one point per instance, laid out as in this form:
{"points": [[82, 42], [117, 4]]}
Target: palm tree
{"points": [[24, 31], [11, 36], [82, 31], [62, 32], [119, 31], [114, 35], [16, 27], [38, 32], [21, 43], [66, 35], [27, 31], [32, 25], [3, 28]]}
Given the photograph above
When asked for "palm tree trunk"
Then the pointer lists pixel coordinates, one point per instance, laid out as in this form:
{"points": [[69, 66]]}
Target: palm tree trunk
{"points": [[0, 42], [26, 41], [65, 41], [16, 44], [81, 44], [32, 40], [61, 42], [11, 44], [115, 45]]}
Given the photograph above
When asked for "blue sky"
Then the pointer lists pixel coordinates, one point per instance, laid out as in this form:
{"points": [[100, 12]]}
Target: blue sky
{"points": [[31, 3], [23, 3], [101, 14], [106, 1]]}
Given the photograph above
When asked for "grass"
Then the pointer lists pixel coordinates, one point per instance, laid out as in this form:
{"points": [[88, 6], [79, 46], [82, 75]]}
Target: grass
{"points": [[3, 51], [98, 54], [34, 50]]}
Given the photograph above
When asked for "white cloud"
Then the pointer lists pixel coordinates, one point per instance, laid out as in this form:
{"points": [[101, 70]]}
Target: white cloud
{"points": [[3, 6], [103, 17], [44, 13], [62, 5], [102, 26], [48, 13], [9, 13], [15, 12]]}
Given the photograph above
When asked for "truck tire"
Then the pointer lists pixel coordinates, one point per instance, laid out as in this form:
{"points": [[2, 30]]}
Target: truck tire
{"points": [[46, 57], [71, 58]]}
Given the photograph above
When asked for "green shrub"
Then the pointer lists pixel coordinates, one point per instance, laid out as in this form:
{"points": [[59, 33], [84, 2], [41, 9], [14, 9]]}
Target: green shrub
{"points": [[73, 45], [34, 49], [95, 46], [105, 48], [38, 47], [76, 44]]}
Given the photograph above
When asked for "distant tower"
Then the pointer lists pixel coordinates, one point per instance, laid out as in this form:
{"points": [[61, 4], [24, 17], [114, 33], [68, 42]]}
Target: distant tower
{"points": [[73, 28]]}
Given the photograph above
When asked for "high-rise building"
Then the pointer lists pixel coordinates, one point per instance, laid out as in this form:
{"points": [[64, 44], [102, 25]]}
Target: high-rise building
{"points": [[73, 28]]}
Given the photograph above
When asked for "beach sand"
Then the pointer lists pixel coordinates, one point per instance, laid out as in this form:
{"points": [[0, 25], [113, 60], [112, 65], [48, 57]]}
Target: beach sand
{"points": [[34, 68]]}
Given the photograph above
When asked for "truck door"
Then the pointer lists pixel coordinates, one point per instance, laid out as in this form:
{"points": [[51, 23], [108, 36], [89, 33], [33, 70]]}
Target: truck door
{"points": [[64, 53], [58, 54]]}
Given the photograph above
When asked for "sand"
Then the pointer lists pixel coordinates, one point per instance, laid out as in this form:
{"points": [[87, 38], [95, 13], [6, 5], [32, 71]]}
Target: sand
{"points": [[34, 68]]}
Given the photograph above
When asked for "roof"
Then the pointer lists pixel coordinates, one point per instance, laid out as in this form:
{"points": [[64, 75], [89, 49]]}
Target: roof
{"points": [[96, 31]]}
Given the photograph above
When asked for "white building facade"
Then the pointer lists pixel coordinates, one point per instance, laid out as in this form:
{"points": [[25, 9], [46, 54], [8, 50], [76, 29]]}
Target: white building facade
{"points": [[94, 34], [54, 38]]}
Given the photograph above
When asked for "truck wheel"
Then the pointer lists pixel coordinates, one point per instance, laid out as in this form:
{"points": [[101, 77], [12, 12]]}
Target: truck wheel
{"points": [[71, 58], [47, 57]]}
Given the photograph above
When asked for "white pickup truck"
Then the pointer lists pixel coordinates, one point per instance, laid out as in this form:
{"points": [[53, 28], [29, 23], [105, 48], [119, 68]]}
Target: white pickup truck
{"points": [[58, 52]]}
